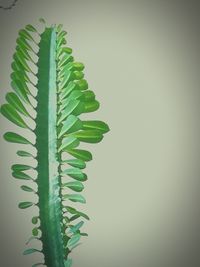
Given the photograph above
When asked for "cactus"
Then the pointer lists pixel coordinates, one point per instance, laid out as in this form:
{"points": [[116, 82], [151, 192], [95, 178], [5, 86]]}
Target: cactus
{"points": [[52, 98]]}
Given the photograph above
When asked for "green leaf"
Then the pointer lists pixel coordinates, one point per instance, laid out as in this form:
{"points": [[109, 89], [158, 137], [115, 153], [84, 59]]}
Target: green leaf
{"points": [[63, 51], [25, 205], [42, 21], [78, 163], [27, 188], [21, 167], [65, 59], [76, 212], [65, 70], [24, 53], [26, 35], [16, 103], [21, 175], [68, 262], [89, 95], [76, 94], [76, 186], [76, 227], [89, 136], [91, 106], [78, 66], [74, 107], [19, 74], [9, 112], [72, 124], [20, 90], [59, 27], [75, 198], [24, 44], [67, 90], [17, 64], [15, 138], [60, 41], [30, 251], [67, 50], [35, 231], [73, 241], [95, 125], [84, 234], [22, 153], [76, 174], [18, 56], [78, 75], [61, 34], [74, 217], [35, 220], [81, 154], [82, 84], [30, 28], [65, 79], [68, 143]]}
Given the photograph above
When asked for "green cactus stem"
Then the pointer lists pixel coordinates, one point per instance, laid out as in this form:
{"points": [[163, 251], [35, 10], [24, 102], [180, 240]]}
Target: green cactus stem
{"points": [[62, 96]]}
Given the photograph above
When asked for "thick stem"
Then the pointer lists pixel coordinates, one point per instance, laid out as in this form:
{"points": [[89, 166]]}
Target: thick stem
{"points": [[50, 207]]}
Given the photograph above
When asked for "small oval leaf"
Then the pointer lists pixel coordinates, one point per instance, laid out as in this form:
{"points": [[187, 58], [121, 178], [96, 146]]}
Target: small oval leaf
{"points": [[72, 124], [91, 106], [76, 212], [78, 66], [95, 125], [22, 42], [27, 188], [25, 205], [84, 234], [10, 113], [16, 103], [15, 138], [42, 21], [26, 35], [75, 198], [21, 175], [68, 143], [89, 95], [77, 163], [89, 136], [20, 167], [75, 186], [67, 90], [82, 84], [75, 173], [30, 251], [22, 153], [74, 107], [74, 217], [20, 90], [81, 154], [65, 59], [18, 56], [35, 220], [30, 28], [35, 231]]}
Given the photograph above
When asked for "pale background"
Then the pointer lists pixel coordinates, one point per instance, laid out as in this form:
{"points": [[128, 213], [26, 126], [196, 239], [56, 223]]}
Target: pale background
{"points": [[141, 59]]}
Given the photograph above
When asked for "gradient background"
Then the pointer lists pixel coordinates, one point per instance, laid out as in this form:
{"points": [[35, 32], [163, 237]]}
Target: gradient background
{"points": [[142, 61]]}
